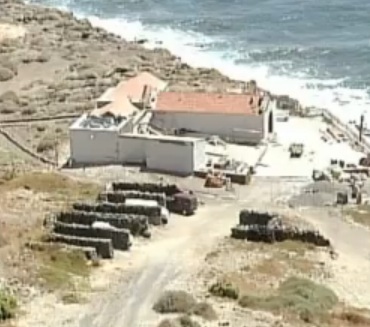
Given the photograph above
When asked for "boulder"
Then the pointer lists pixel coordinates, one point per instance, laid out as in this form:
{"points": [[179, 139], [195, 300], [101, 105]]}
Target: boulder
{"points": [[5, 74], [9, 96]]}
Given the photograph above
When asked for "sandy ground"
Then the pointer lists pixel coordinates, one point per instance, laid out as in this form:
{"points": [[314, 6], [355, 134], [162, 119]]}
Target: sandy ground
{"points": [[317, 152], [9, 31]]}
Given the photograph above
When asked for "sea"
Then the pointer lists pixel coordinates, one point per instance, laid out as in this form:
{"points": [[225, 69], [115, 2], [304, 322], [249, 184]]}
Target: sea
{"points": [[313, 50]]}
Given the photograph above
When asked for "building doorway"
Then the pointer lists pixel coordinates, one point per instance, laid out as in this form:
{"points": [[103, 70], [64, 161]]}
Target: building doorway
{"points": [[271, 123]]}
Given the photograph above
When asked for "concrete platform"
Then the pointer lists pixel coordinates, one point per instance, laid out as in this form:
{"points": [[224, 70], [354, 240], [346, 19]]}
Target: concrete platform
{"points": [[317, 152]]}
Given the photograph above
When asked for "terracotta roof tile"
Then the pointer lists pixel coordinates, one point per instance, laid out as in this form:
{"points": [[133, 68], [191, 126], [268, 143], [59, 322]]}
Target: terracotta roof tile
{"points": [[135, 88], [247, 104]]}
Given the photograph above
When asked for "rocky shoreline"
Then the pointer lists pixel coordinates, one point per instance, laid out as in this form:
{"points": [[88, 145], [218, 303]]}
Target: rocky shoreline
{"points": [[60, 63]]}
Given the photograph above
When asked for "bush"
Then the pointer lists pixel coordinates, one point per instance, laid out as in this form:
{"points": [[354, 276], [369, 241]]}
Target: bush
{"points": [[224, 289], [183, 321], [28, 112], [174, 302], [8, 305], [46, 144], [205, 311], [186, 321], [169, 323], [5, 74], [302, 297]]}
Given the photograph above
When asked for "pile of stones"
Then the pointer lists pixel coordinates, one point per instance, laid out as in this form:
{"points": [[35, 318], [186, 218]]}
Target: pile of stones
{"points": [[269, 227], [154, 213], [137, 224]]}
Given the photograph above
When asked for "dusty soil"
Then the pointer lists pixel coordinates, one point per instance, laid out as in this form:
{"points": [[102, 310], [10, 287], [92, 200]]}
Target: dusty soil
{"points": [[189, 254]]}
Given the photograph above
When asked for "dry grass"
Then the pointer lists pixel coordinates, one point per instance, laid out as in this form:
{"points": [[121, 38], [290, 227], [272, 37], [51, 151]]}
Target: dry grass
{"points": [[62, 269], [350, 317], [270, 267], [298, 297], [360, 214], [55, 184]]}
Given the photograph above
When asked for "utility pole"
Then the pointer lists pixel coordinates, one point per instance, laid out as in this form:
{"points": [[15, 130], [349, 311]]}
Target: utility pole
{"points": [[361, 129]]}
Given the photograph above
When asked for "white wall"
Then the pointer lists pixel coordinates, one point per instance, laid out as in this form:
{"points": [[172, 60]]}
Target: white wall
{"points": [[170, 156], [93, 146], [167, 154], [237, 128], [131, 150], [200, 156]]}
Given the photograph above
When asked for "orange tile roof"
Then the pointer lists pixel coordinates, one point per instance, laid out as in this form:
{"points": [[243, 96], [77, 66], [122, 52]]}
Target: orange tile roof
{"points": [[135, 88], [246, 104], [117, 109]]}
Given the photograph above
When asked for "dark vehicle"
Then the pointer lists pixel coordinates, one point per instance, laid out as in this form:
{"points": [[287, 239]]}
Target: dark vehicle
{"points": [[183, 203], [296, 150]]}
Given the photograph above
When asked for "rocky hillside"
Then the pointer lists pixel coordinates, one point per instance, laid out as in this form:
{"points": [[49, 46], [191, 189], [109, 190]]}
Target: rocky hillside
{"points": [[54, 63]]}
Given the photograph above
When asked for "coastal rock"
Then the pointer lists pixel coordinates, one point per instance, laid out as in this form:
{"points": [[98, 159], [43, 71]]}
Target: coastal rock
{"points": [[5, 63], [5, 74]]}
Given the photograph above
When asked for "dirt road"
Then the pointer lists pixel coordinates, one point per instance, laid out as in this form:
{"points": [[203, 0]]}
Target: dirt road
{"points": [[176, 252]]}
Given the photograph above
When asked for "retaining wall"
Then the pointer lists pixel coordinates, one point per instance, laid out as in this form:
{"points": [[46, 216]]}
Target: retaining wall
{"points": [[120, 237], [118, 208], [104, 247], [136, 224], [168, 189], [121, 196]]}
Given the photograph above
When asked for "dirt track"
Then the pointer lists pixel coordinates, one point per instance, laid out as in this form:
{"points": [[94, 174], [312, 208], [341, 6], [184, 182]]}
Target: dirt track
{"points": [[176, 253]]}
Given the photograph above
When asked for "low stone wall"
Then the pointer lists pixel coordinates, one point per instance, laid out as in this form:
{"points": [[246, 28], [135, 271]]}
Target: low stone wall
{"points": [[259, 233], [121, 196], [118, 208], [104, 247], [120, 237], [253, 217], [241, 179], [168, 189], [346, 129], [257, 226], [136, 224]]}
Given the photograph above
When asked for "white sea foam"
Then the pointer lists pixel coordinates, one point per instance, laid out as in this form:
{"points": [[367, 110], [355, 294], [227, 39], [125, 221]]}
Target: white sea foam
{"points": [[347, 104]]}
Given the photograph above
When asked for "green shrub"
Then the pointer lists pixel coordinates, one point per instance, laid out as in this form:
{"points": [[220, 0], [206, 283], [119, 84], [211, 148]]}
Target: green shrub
{"points": [[46, 144], [8, 305], [224, 289], [174, 302], [169, 323], [302, 297], [204, 310], [186, 321], [183, 321]]}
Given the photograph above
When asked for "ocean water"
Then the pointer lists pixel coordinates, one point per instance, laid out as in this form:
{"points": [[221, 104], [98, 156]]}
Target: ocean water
{"points": [[313, 50]]}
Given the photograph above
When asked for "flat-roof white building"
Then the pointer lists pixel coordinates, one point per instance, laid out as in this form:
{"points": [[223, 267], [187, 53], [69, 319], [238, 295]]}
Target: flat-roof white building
{"points": [[104, 140]]}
